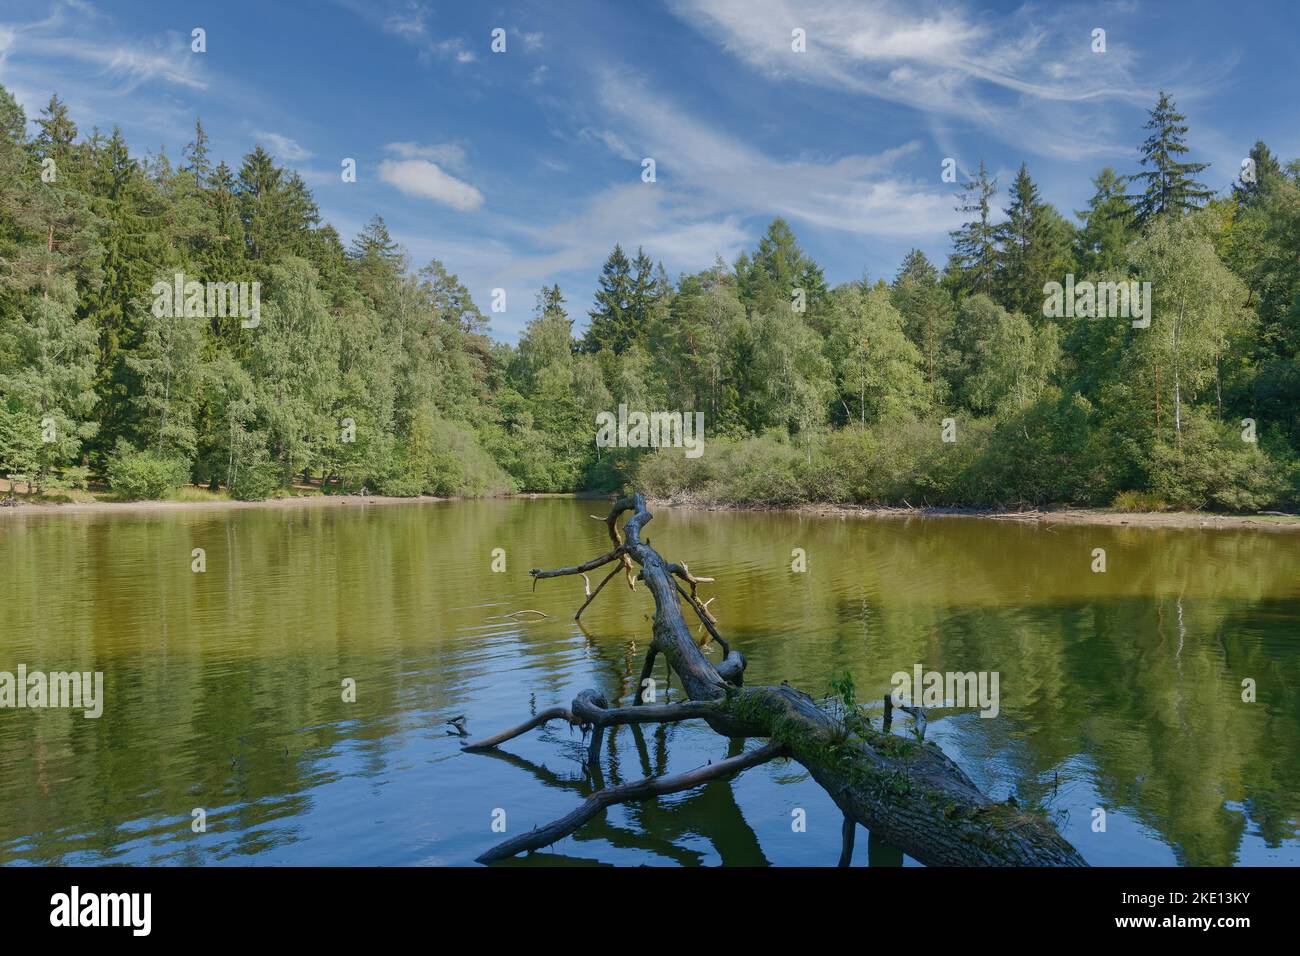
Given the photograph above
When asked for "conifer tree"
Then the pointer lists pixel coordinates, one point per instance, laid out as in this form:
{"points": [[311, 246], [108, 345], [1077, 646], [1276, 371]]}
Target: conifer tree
{"points": [[1107, 225], [1170, 184], [611, 319], [196, 154], [972, 267]]}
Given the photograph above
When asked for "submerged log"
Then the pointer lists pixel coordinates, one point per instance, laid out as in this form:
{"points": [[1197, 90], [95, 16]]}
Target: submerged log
{"points": [[907, 792]]}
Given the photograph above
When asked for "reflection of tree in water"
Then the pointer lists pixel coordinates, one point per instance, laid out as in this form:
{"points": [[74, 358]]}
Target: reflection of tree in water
{"points": [[656, 826], [1133, 675], [710, 812], [1143, 693]]}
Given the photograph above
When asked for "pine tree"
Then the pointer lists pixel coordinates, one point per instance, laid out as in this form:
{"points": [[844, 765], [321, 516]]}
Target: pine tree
{"points": [[1032, 248], [972, 268], [276, 208], [1107, 225], [1265, 170], [196, 154], [135, 254], [642, 296], [58, 132], [375, 242], [1017, 237], [916, 265], [611, 321], [768, 280], [226, 256], [1170, 186]]}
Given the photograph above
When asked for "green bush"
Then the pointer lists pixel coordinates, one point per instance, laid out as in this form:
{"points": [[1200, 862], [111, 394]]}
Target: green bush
{"points": [[1209, 465], [144, 476], [77, 477], [257, 482], [400, 486], [762, 470], [445, 458], [1135, 501]]}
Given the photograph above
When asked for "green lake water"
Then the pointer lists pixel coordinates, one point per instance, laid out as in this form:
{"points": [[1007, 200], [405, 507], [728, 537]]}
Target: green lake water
{"points": [[223, 689]]}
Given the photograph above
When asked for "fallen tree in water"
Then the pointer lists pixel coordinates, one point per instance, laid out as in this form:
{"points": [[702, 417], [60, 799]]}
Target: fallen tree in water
{"points": [[907, 792]]}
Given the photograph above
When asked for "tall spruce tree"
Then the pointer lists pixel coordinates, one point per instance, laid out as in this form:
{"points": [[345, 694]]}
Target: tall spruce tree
{"points": [[1171, 186], [611, 319], [196, 154], [642, 296], [1021, 238], [972, 267]]}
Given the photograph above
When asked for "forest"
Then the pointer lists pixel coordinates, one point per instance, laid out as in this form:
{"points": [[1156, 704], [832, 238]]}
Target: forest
{"points": [[940, 385]]}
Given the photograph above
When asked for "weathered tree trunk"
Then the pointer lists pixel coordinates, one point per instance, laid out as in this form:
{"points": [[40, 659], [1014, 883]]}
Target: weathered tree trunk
{"points": [[906, 792]]}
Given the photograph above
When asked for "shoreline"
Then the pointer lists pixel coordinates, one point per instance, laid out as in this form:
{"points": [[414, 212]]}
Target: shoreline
{"points": [[1195, 520], [100, 506]]}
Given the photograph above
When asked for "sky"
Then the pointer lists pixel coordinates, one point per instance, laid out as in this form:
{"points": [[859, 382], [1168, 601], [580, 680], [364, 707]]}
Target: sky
{"points": [[522, 168]]}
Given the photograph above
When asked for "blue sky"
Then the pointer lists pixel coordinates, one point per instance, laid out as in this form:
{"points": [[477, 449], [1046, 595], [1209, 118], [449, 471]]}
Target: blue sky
{"points": [[524, 167]]}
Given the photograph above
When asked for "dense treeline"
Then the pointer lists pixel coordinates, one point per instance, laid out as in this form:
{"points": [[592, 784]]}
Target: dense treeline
{"points": [[363, 372]]}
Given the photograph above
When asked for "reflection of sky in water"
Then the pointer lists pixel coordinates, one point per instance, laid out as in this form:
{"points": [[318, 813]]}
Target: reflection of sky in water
{"points": [[1119, 691]]}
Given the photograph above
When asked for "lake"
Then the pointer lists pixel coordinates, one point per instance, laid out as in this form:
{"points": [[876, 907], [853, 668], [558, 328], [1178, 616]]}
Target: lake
{"points": [[224, 692]]}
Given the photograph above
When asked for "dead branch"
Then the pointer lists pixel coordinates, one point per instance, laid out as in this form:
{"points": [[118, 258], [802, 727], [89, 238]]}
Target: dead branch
{"points": [[638, 790], [591, 596], [513, 614], [487, 743], [907, 792]]}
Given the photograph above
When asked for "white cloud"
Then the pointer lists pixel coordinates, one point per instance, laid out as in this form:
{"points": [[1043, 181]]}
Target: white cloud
{"points": [[131, 63], [140, 82], [613, 142], [410, 21], [450, 155], [923, 54], [1028, 76], [455, 48], [282, 147], [883, 195], [426, 180]]}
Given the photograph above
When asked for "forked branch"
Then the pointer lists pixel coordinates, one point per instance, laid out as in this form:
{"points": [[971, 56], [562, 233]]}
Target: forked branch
{"points": [[907, 792], [638, 790]]}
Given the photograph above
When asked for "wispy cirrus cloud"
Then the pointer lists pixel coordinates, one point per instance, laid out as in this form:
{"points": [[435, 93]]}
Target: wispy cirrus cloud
{"points": [[70, 33], [416, 23], [875, 195], [930, 55], [1029, 76]]}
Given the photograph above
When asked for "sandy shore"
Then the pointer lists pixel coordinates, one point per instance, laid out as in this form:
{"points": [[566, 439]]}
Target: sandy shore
{"points": [[124, 507], [1048, 517]]}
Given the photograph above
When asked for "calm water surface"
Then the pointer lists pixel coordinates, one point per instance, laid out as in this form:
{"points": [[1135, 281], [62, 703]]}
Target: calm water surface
{"points": [[1119, 690]]}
